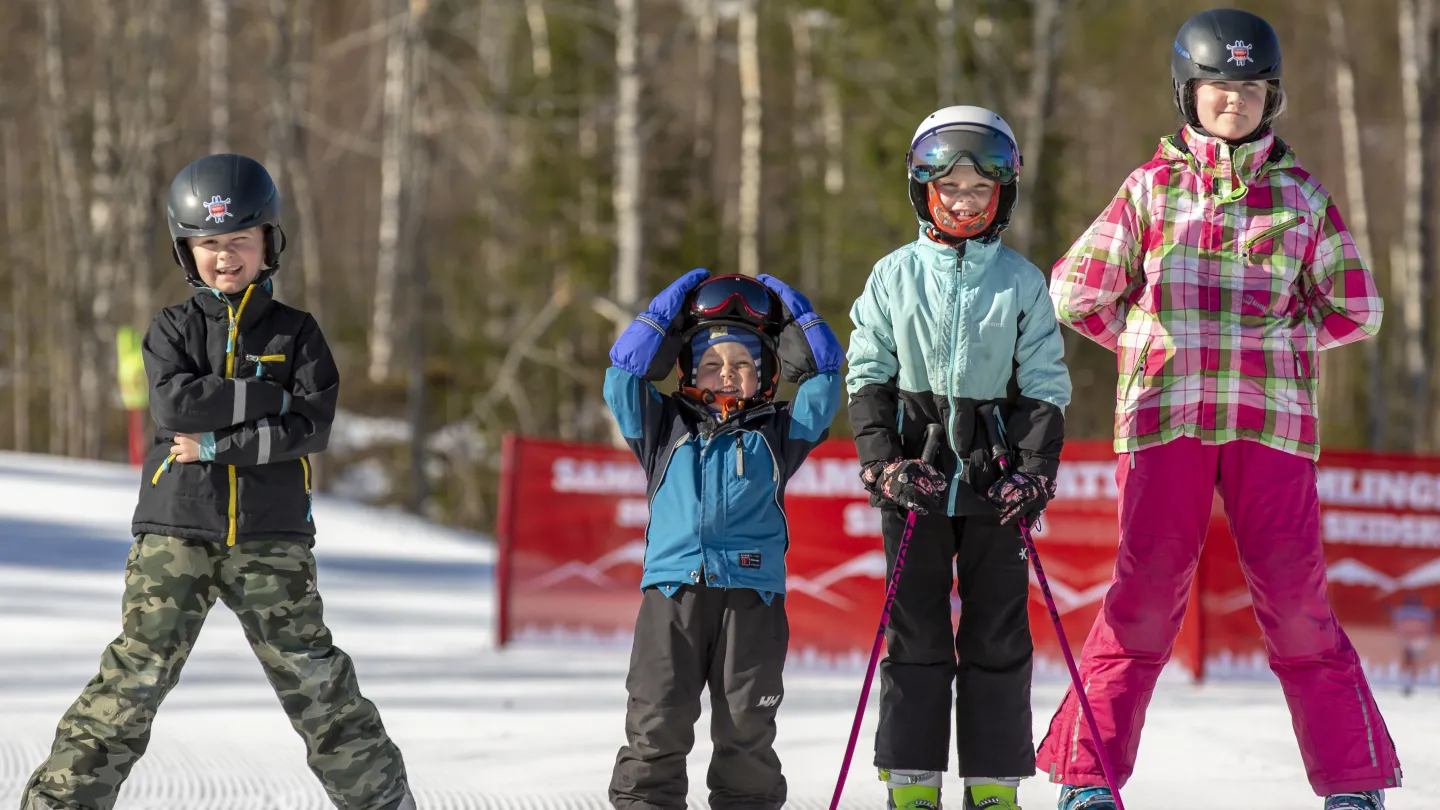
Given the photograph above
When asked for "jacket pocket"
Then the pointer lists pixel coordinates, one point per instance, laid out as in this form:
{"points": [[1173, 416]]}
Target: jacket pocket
{"points": [[1135, 375], [1256, 243]]}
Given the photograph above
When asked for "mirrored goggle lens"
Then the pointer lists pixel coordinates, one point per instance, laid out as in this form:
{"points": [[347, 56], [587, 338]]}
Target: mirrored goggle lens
{"points": [[988, 150], [723, 295]]}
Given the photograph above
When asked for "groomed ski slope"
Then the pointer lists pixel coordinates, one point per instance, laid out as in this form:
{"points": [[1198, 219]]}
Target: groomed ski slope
{"points": [[481, 728]]}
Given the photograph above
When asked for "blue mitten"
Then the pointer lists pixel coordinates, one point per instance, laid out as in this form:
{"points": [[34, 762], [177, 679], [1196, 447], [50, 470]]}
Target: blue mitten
{"points": [[639, 348], [807, 346]]}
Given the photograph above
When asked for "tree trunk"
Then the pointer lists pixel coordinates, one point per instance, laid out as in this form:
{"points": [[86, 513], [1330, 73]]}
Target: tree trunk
{"points": [[948, 61], [493, 46], [1338, 407], [417, 187], [20, 270], [298, 170], [832, 118], [73, 266], [803, 130], [148, 123], [1047, 35], [707, 26], [751, 137], [539, 39], [217, 67], [1410, 276], [399, 109], [629, 246]]}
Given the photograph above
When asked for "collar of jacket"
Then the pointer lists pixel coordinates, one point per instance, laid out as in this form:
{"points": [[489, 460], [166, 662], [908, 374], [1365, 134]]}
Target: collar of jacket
{"points": [[976, 254], [213, 303], [1225, 170]]}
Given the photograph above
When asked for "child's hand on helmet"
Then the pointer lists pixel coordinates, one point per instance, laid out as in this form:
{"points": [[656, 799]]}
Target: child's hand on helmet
{"points": [[639, 348], [808, 346]]}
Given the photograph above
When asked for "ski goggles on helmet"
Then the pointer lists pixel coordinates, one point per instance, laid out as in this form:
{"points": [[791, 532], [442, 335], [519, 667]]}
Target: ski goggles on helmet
{"points": [[734, 296], [990, 151]]}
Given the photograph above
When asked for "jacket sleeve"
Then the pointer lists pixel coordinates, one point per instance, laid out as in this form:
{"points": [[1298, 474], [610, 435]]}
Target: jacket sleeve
{"points": [[811, 411], [305, 427], [1037, 422], [184, 399], [639, 412], [872, 379], [1092, 283], [1341, 298]]}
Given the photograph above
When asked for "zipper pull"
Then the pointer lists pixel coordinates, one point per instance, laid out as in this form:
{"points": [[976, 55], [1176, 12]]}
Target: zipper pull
{"points": [[739, 457]]}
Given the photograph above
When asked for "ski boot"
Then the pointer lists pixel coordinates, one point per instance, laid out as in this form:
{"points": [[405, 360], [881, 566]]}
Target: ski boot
{"points": [[911, 790], [994, 795], [1086, 797], [1364, 800]]}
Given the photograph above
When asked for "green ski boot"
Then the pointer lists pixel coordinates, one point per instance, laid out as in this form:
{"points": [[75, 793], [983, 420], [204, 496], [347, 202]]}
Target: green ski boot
{"points": [[911, 790], [992, 797]]}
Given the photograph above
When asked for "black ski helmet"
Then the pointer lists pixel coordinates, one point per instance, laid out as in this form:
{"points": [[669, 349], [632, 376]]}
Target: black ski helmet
{"points": [[734, 302], [1225, 44], [222, 194]]}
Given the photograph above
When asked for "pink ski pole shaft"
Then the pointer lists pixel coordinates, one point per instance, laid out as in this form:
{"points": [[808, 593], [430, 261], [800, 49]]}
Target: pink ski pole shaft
{"points": [[933, 435], [1070, 662], [1001, 453]]}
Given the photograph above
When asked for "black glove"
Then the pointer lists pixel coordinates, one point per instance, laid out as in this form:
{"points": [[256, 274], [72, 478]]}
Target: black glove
{"points": [[1021, 495], [910, 483]]}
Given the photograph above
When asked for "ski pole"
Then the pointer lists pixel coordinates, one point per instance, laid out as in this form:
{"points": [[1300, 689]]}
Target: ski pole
{"points": [[1000, 452], [933, 434]]}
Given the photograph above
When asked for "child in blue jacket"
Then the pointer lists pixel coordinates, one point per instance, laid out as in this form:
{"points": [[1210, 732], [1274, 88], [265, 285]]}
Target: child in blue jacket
{"points": [[717, 455]]}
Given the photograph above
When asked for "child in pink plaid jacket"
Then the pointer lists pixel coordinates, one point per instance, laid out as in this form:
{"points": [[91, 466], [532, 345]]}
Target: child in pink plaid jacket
{"points": [[1217, 273]]}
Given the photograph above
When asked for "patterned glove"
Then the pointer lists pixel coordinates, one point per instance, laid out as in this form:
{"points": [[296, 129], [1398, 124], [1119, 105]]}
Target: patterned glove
{"points": [[1021, 495], [639, 348], [910, 483]]}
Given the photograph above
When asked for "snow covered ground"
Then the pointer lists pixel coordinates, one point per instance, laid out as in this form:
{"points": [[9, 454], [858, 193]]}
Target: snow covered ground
{"points": [[486, 728]]}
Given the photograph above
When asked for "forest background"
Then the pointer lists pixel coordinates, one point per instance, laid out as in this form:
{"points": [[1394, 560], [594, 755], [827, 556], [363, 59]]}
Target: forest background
{"points": [[480, 193]]}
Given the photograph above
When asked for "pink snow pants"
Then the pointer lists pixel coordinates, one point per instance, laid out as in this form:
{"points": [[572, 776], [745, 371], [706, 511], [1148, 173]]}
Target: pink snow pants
{"points": [[1274, 511]]}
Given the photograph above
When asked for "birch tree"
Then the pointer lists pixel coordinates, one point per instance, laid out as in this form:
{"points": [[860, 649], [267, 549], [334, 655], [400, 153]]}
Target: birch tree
{"points": [[627, 193], [751, 136], [1415, 21], [399, 110], [1047, 38], [216, 61]]}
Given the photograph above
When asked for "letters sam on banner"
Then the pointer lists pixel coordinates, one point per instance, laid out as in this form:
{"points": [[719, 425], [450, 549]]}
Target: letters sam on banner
{"points": [[573, 516]]}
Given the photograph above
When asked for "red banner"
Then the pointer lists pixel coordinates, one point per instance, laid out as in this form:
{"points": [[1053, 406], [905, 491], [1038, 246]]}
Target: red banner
{"points": [[573, 519]]}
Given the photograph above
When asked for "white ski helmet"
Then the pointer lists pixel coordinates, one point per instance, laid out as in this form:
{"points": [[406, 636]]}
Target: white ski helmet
{"points": [[968, 135]]}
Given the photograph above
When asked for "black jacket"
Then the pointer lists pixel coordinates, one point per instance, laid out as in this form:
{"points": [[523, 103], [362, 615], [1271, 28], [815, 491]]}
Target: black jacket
{"points": [[210, 374]]}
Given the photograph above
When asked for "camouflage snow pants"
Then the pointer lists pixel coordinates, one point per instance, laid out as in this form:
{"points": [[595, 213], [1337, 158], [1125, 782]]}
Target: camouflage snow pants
{"points": [[170, 585]]}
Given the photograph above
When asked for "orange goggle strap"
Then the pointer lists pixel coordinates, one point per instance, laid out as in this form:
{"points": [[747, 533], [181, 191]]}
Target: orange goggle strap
{"points": [[961, 229], [728, 405]]}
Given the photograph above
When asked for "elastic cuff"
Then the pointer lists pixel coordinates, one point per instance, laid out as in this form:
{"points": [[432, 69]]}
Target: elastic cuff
{"points": [[207, 446]]}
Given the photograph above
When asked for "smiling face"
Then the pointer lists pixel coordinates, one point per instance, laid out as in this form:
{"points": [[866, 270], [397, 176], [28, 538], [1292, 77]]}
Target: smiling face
{"points": [[229, 262], [727, 369], [1230, 110], [964, 193]]}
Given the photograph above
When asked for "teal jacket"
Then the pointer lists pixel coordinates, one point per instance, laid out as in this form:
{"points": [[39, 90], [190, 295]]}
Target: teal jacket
{"points": [[937, 334]]}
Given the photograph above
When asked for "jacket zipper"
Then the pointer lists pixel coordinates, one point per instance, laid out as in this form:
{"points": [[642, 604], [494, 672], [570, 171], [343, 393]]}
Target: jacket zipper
{"points": [[261, 360], [230, 340], [309, 498], [1273, 230]]}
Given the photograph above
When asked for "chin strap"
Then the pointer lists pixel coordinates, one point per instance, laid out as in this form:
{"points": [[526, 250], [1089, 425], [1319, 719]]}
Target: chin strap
{"points": [[728, 404]]}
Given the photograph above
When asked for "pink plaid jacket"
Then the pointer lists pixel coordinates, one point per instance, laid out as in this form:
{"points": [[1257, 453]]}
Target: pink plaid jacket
{"points": [[1216, 275]]}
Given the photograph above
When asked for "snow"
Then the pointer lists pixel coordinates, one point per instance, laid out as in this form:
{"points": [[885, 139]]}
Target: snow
{"points": [[535, 726]]}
